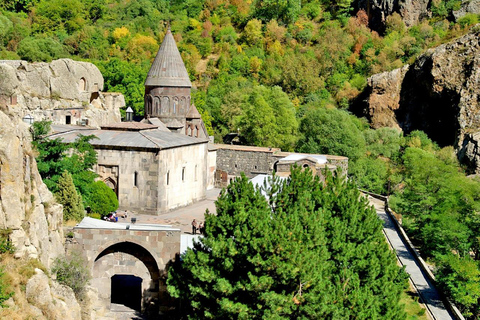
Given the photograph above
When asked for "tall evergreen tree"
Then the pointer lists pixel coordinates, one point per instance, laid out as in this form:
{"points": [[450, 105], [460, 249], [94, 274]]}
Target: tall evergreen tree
{"points": [[68, 196], [311, 250]]}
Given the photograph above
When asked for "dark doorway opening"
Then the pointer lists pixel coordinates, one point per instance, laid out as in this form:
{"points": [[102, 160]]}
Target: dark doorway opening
{"points": [[68, 119], [127, 290]]}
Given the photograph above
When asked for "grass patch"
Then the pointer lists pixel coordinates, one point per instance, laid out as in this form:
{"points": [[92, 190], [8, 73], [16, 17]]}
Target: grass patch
{"points": [[95, 215], [16, 274], [414, 310], [70, 223]]}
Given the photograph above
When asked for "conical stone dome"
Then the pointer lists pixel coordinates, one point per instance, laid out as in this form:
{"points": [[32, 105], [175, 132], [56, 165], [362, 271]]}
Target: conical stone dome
{"points": [[168, 69]]}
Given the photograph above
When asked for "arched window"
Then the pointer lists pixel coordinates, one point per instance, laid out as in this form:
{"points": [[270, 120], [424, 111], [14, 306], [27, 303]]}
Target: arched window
{"points": [[150, 104], [157, 106], [183, 174], [182, 105], [82, 84], [165, 103], [175, 105]]}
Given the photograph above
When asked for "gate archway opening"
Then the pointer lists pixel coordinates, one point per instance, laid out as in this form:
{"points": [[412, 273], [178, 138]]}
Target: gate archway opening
{"points": [[127, 290], [125, 273]]}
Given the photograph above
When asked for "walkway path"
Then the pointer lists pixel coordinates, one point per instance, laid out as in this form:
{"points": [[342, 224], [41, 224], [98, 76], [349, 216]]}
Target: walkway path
{"points": [[425, 288]]}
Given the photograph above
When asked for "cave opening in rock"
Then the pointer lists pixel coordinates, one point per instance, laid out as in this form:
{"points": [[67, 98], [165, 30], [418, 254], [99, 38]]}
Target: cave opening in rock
{"points": [[127, 291]]}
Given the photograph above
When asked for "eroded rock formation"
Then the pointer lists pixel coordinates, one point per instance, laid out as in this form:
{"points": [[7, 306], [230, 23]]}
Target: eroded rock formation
{"points": [[411, 11], [27, 207], [51, 300], [439, 94], [468, 6], [51, 91], [64, 91]]}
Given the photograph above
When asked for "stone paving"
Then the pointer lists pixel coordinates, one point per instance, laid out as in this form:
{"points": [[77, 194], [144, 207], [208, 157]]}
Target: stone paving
{"points": [[182, 217]]}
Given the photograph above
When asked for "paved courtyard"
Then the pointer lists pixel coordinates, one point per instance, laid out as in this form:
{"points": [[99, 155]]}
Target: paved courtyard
{"points": [[182, 217]]}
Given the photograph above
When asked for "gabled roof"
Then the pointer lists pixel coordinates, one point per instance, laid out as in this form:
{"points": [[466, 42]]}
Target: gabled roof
{"points": [[168, 69]]}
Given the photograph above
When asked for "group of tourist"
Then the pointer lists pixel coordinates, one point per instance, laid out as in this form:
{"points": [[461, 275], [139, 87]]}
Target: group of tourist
{"points": [[113, 216], [200, 227]]}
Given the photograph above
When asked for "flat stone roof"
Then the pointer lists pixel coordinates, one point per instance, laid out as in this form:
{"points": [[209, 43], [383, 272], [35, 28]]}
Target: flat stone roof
{"points": [[245, 148], [153, 139], [318, 158], [60, 128], [129, 126], [285, 154], [90, 223]]}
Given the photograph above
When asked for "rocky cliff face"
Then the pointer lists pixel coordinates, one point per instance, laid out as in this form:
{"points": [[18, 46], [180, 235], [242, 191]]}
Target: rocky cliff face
{"points": [[439, 94], [63, 91], [53, 92], [27, 207], [411, 11]]}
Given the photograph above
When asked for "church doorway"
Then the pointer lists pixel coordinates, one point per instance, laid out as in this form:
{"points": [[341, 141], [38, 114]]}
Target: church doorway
{"points": [[111, 184], [127, 290]]}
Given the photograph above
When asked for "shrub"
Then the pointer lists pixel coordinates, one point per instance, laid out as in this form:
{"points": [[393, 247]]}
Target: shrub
{"points": [[72, 271], [5, 293], [5, 243], [95, 215], [101, 198], [68, 196], [46, 49]]}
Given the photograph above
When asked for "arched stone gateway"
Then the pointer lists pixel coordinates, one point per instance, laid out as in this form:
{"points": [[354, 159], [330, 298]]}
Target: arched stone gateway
{"points": [[128, 262], [126, 273]]}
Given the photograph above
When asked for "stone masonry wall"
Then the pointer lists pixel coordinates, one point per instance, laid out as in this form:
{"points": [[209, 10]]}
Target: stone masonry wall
{"points": [[163, 246], [232, 160], [126, 166], [186, 169], [251, 162]]}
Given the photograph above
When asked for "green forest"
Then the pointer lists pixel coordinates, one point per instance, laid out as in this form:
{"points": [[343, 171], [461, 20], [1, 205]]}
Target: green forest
{"points": [[283, 74]]}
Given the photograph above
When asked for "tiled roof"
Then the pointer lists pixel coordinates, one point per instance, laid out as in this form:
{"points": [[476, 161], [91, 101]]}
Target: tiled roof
{"points": [[168, 69]]}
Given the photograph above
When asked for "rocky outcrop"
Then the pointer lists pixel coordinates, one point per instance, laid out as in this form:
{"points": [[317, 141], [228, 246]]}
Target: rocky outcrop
{"points": [[53, 300], [27, 207], [411, 11], [469, 6], [439, 94], [63, 91], [381, 98]]}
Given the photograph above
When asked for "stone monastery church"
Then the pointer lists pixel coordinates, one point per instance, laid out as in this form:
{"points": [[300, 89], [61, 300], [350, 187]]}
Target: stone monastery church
{"points": [[167, 160]]}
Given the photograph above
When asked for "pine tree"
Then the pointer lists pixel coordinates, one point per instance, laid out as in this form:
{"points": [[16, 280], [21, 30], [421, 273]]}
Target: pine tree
{"points": [[311, 250], [68, 196]]}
